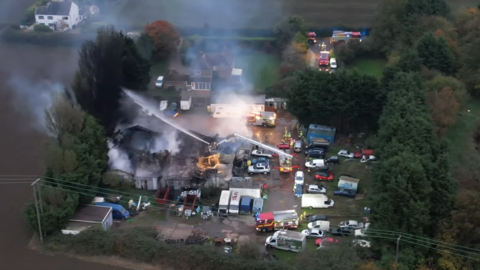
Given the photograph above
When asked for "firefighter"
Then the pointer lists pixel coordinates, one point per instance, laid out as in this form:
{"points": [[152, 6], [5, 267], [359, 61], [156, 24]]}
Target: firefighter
{"points": [[292, 142], [289, 135], [301, 134]]}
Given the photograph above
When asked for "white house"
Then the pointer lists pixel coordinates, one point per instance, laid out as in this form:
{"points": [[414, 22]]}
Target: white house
{"points": [[58, 15]]}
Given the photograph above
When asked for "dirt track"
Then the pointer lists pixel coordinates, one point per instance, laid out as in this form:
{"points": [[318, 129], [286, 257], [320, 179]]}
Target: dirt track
{"points": [[21, 153]]}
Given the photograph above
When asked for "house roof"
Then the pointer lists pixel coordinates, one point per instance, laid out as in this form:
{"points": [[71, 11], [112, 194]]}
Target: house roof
{"points": [[201, 79], [91, 213], [233, 98], [54, 8], [206, 61], [174, 76]]}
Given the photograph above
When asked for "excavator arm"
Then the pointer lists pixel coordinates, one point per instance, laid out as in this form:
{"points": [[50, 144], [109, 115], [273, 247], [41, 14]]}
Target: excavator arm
{"points": [[252, 141]]}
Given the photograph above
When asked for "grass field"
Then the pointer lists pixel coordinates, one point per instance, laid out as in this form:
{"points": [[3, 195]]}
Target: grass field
{"points": [[252, 14], [259, 69], [372, 67], [464, 157]]}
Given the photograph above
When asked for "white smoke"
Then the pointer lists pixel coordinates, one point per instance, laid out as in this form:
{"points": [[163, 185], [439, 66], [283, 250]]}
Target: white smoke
{"points": [[169, 141], [118, 159], [32, 98]]}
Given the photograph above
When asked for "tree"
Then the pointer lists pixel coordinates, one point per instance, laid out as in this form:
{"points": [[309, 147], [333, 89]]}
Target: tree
{"points": [[435, 53], [63, 118], [409, 61], [388, 26], [294, 57], [287, 29], [428, 7], [99, 76], [135, 68], [165, 38], [440, 82], [344, 54], [145, 46]]}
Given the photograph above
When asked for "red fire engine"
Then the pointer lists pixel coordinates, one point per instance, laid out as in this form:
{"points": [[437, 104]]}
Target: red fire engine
{"points": [[277, 220], [312, 37], [342, 36], [324, 60]]}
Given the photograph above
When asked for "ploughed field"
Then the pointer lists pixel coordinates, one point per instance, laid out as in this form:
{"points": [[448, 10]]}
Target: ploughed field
{"points": [[238, 14], [22, 149]]}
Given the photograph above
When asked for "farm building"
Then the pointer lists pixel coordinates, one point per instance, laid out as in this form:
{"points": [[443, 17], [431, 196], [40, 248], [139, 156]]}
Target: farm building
{"points": [[235, 106], [324, 132], [88, 216]]}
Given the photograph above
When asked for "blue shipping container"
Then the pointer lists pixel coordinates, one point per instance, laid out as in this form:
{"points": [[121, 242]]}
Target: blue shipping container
{"points": [[246, 205]]}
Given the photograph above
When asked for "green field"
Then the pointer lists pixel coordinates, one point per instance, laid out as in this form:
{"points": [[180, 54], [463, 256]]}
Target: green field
{"points": [[464, 157], [259, 69], [372, 67]]}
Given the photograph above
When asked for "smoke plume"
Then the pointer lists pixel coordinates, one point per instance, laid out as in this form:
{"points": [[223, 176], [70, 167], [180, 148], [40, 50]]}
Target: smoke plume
{"points": [[118, 159]]}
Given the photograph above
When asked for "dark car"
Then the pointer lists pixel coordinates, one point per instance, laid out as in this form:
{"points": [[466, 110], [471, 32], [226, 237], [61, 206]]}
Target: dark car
{"points": [[340, 232], [315, 153], [345, 193], [298, 190], [316, 218], [325, 176], [324, 169], [332, 160]]}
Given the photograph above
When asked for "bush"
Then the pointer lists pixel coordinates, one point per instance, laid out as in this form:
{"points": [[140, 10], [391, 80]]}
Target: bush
{"points": [[42, 28]]}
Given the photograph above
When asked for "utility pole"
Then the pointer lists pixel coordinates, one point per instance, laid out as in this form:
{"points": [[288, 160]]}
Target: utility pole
{"points": [[396, 253], [40, 233]]}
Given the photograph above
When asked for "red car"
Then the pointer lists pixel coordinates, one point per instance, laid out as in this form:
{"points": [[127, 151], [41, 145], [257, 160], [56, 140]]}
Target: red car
{"points": [[283, 146], [326, 242], [325, 176], [365, 153]]}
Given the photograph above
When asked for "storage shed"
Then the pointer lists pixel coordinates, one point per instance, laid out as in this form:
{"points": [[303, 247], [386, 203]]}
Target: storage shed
{"points": [[323, 132], [88, 216]]}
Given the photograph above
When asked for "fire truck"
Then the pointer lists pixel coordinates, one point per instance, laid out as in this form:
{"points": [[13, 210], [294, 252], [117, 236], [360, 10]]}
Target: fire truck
{"points": [[324, 60], [286, 164], [264, 119], [342, 36], [312, 37], [277, 220]]}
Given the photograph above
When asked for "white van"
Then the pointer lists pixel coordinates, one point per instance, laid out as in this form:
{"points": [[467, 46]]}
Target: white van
{"points": [[333, 63], [297, 147], [316, 201], [322, 225]]}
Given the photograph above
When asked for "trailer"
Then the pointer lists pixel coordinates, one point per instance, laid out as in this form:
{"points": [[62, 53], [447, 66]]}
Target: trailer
{"points": [[234, 207], [224, 203], [189, 202], [346, 182], [277, 220], [162, 195]]}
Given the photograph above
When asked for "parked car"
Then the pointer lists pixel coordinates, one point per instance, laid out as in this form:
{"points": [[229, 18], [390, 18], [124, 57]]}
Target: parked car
{"points": [[320, 225], [325, 176], [361, 243], [369, 159], [345, 193], [260, 153], [341, 232], [314, 233], [365, 152], [362, 232], [159, 82], [315, 189], [332, 160], [259, 168], [316, 218], [326, 242], [283, 145], [298, 190], [259, 160], [299, 178], [351, 224], [321, 169], [345, 153], [315, 163], [315, 153]]}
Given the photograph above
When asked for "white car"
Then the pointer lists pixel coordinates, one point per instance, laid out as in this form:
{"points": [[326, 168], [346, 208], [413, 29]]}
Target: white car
{"points": [[315, 163], [260, 153], [299, 178], [159, 82], [345, 153], [361, 243], [333, 63], [315, 189], [259, 168], [351, 224], [314, 233], [362, 232]]}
